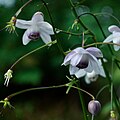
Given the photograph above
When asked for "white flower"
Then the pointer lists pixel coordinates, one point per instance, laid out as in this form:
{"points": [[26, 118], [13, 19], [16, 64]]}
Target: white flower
{"points": [[115, 36], [36, 28], [7, 76], [84, 61], [91, 77]]}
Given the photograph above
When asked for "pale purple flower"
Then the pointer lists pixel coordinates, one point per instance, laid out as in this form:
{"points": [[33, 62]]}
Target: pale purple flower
{"points": [[115, 36], [36, 28], [84, 61]]}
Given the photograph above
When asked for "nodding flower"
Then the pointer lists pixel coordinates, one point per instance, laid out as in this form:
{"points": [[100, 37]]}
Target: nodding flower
{"points": [[36, 28], [115, 36], [84, 61]]}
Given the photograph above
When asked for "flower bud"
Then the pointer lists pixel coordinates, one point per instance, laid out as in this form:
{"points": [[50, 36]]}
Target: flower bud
{"points": [[94, 107]]}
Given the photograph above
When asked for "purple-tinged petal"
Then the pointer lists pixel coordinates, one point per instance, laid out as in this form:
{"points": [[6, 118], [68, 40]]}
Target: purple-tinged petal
{"points": [[25, 38], [83, 62], [23, 24], [73, 70], [80, 73], [46, 27], [75, 60], [68, 57], [114, 28], [93, 64], [95, 51], [80, 50], [45, 37], [37, 17]]}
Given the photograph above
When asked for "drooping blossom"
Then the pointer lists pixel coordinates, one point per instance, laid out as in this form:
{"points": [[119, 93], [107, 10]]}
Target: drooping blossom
{"points": [[36, 28], [84, 61], [115, 36]]}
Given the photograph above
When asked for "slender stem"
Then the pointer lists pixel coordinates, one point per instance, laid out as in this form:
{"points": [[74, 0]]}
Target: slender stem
{"points": [[71, 33], [92, 117], [101, 90], [96, 14], [101, 43], [114, 93], [49, 87], [111, 96], [58, 42], [82, 104], [80, 21], [84, 91], [96, 21], [102, 33], [53, 42], [18, 12], [32, 89]]}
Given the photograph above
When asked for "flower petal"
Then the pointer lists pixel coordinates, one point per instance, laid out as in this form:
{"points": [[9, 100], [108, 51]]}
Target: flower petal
{"points": [[102, 72], [23, 24], [80, 73], [75, 60], [93, 64], [95, 51], [37, 17], [114, 28], [73, 70], [68, 57], [45, 37], [80, 50], [109, 38], [117, 41], [25, 38], [46, 27]]}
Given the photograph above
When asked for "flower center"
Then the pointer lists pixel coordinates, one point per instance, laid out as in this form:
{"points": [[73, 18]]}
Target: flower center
{"points": [[34, 35], [83, 62]]}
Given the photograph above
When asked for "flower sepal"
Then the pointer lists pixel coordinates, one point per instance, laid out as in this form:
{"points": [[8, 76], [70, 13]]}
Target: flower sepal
{"points": [[6, 103], [70, 84], [10, 27]]}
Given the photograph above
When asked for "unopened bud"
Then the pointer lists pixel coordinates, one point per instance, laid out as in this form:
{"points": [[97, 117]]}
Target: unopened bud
{"points": [[94, 107]]}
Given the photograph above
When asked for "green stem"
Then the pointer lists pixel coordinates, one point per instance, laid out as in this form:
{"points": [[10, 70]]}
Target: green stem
{"points": [[100, 91], [33, 89], [111, 96], [102, 33], [18, 12], [84, 91], [96, 14], [53, 42], [83, 105], [58, 42], [114, 93], [80, 21]]}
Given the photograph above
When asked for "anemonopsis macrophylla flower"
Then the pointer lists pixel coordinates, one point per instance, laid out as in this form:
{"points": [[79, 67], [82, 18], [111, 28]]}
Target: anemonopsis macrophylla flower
{"points": [[94, 107], [83, 60], [115, 36], [36, 28], [8, 76]]}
